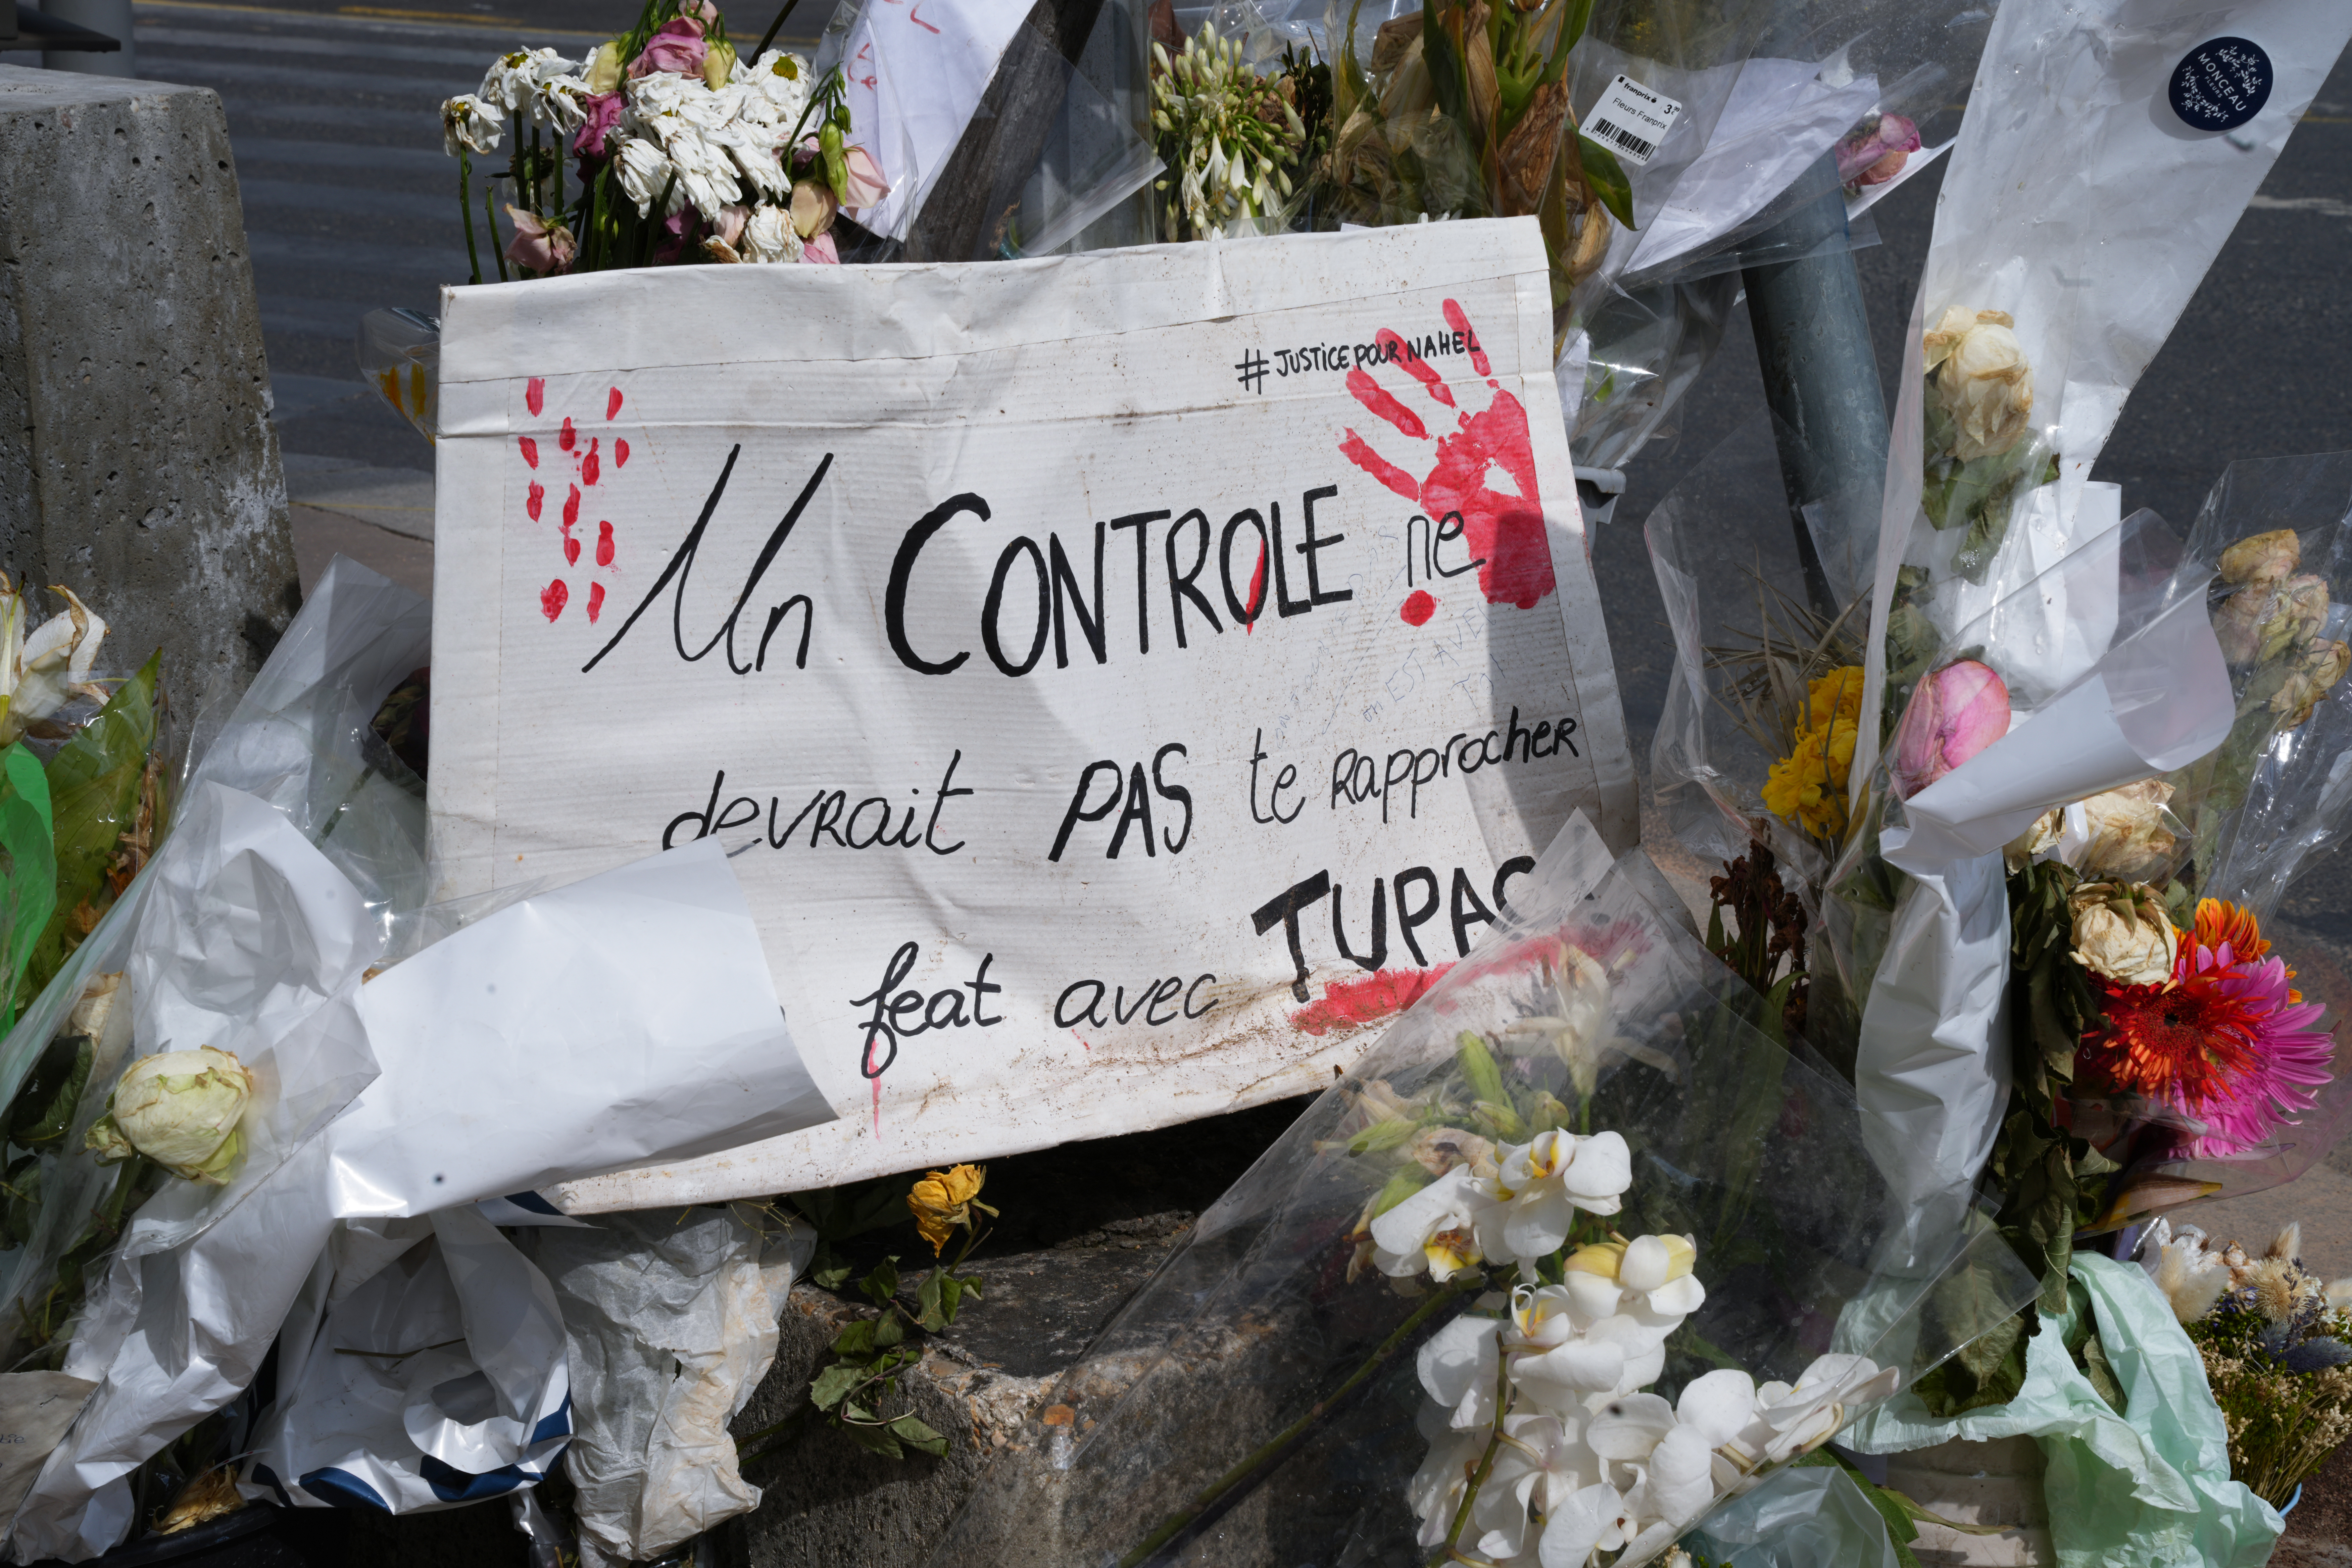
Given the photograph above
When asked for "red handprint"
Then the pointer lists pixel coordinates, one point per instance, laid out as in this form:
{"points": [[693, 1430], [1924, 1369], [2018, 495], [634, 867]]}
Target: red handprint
{"points": [[1504, 531]]}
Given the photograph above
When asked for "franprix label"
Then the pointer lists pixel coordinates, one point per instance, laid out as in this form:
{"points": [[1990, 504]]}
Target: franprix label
{"points": [[1632, 120], [1121, 682]]}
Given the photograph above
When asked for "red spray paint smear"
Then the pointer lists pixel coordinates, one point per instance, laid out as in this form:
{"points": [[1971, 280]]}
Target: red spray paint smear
{"points": [[595, 601], [603, 546], [589, 466], [537, 498], [1418, 606], [1365, 1000], [567, 438], [620, 453], [534, 394], [530, 449], [1257, 591], [1080, 1038], [571, 506], [552, 598], [611, 403], [877, 1106]]}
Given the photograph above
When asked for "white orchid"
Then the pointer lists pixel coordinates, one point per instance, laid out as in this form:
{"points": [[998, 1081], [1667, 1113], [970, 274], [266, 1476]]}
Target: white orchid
{"points": [[1542, 1461], [1551, 1177], [1446, 1226], [41, 673], [469, 125], [1457, 1368], [1434, 1493], [1595, 1518]]}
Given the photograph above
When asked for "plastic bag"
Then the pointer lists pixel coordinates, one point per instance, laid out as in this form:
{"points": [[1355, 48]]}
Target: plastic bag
{"points": [[1260, 1397], [423, 1366], [399, 354], [672, 1321], [2145, 1486], [1811, 1516]]}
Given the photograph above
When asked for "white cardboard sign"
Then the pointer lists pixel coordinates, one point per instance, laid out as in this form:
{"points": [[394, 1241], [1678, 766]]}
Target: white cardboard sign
{"points": [[1119, 679]]}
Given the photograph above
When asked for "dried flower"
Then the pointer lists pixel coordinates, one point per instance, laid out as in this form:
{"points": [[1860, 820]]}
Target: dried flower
{"points": [[676, 46], [2126, 838], [2320, 665], [2268, 618], [767, 237], [2263, 557], [40, 673], [181, 1109], [1978, 372], [1955, 712], [2121, 932], [944, 1199], [1876, 151], [603, 71], [2040, 838], [469, 125], [538, 245]]}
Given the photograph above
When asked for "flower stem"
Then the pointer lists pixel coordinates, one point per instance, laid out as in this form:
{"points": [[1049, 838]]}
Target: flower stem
{"points": [[466, 209], [490, 217], [1448, 1552], [1263, 1460]]}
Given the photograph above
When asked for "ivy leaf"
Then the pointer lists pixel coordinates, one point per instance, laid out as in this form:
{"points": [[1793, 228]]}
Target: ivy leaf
{"points": [[833, 1383]]}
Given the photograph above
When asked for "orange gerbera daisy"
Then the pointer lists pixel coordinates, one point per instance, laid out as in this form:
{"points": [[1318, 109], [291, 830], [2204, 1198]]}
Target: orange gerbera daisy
{"points": [[2218, 923]]}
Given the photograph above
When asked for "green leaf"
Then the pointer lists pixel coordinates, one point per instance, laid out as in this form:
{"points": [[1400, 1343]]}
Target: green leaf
{"points": [[877, 1438], [27, 837], [1607, 178], [881, 1283], [1406, 1181], [2092, 1357], [833, 1383], [840, 1213], [912, 1432], [930, 1310], [45, 1107], [1382, 1136], [93, 784], [1443, 59], [856, 1339], [889, 1328], [828, 1269], [1477, 1064]]}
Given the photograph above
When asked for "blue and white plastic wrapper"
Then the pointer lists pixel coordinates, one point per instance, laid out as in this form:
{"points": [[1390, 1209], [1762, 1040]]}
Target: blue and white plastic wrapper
{"points": [[2050, 212], [478, 1404]]}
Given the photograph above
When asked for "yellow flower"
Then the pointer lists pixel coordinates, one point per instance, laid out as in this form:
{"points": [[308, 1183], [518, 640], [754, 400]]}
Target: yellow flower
{"points": [[1808, 786], [943, 1200]]}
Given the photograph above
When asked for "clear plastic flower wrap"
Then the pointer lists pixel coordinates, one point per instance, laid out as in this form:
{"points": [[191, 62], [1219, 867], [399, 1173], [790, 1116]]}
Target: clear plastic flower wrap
{"points": [[1584, 1185], [399, 354]]}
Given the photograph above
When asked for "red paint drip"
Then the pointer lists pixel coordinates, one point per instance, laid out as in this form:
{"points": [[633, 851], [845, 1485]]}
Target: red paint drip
{"points": [[1360, 452], [1419, 369], [1257, 591], [1349, 1002], [568, 437], [537, 498], [877, 1106], [534, 394], [571, 506], [1080, 1038], [1418, 606], [620, 453], [530, 449], [588, 465], [611, 403], [1461, 323], [1373, 395], [595, 601], [603, 546], [552, 598]]}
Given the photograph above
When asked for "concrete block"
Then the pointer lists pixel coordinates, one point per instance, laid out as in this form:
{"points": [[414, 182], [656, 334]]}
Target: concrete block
{"points": [[137, 462]]}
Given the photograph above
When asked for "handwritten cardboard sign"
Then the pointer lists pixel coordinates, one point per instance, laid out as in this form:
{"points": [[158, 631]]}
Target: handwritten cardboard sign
{"points": [[1121, 681]]}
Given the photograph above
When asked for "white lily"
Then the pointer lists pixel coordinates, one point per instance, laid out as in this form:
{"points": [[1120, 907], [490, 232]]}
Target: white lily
{"points": [[1437, 1228], [41, 673], [468, 124], [1550, 1177]]}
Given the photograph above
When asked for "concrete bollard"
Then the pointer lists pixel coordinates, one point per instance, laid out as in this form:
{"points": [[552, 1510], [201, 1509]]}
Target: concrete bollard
{"points": [[137, 463]]}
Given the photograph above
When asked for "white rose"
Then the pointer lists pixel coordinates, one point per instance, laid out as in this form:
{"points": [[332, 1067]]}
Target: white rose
{"points": [[180, 1109], [1978, 372], [2121, 932]]}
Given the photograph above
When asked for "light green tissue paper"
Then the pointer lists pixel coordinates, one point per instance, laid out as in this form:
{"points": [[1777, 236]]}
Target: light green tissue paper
{"points": [[2149, 1488]]}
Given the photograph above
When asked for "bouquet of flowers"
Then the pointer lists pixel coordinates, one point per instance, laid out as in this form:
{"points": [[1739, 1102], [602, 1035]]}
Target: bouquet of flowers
{"points": [[2277, 1346], [1584, 1247], [664, 146]]}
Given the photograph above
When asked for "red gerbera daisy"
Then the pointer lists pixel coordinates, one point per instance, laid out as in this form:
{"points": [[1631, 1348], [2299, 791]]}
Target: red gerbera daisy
{"points": [[2179, 1042]]}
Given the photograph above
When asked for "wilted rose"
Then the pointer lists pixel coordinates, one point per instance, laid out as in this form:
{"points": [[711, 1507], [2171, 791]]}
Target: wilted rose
{"points": [[2318, 667], [677, 45], [2019, 851], [2128, 840], [2262, 557], [1978, 372], [767, 237], [866, 185], [1953, 714], [603, 111], [2121, 932], [819, 252], [2269, 618], [538, 245], [1876, 151], [813, 209], [181, 1109], [603, 72], [717, 64]]}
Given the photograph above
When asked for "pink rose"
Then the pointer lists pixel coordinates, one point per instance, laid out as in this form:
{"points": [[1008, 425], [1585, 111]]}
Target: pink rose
{"points": [[538, 245], [730, 224], [820, 250], [604, 118], [1955, 713], [867, 186], [1876, 153], [676, 46]]}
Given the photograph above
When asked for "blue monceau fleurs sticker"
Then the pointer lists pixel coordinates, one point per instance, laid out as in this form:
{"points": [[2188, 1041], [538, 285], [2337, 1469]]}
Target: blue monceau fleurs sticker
{"points": [[2220, 84]]}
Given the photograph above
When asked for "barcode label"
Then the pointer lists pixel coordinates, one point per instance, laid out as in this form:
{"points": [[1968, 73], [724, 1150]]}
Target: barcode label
{"points": [[1632, 120], [1603, 131]]}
